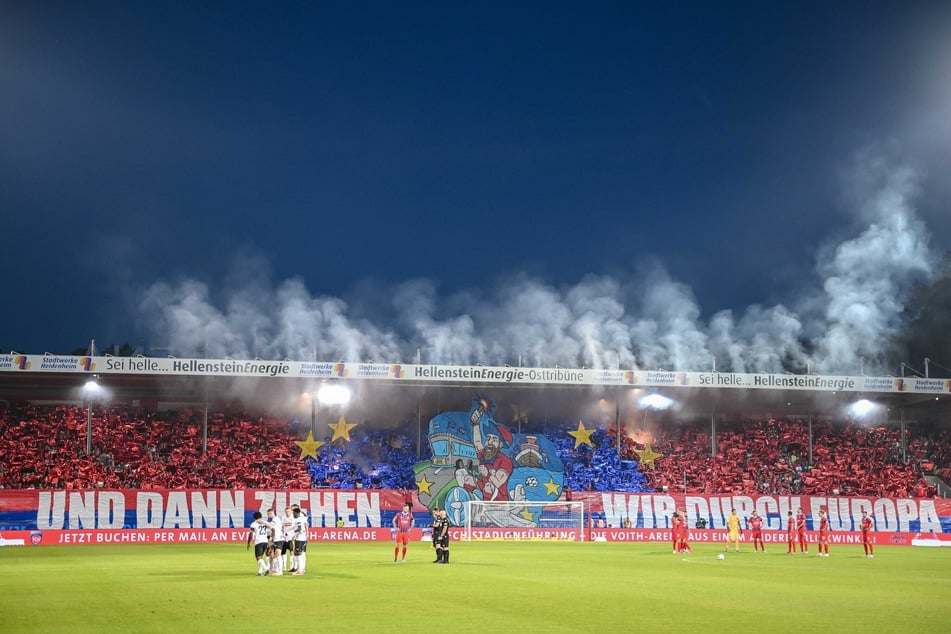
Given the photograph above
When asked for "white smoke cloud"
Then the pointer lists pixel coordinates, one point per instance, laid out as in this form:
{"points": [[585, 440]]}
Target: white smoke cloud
{"points": [[646, 320], [763, 338], [867, 278]]}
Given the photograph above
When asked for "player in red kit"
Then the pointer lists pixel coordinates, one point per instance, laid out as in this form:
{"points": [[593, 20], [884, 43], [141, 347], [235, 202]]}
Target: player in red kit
{"points": [[867, 527], [790, 533], [402, 523], [823, 535], [684, 532], [755, 522], [676, 523], [801, 531]]}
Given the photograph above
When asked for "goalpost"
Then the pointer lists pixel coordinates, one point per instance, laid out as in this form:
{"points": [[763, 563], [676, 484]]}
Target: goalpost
{"points": [[524, 520]]}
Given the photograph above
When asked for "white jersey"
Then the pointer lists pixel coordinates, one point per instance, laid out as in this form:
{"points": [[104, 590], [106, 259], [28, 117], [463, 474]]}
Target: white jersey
{"points": [[299, 530], [262, 531], [278, 529], [287, 527]]}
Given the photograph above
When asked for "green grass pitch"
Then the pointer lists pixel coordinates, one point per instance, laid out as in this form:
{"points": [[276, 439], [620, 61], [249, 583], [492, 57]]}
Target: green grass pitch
{"points": [[487, 587]]}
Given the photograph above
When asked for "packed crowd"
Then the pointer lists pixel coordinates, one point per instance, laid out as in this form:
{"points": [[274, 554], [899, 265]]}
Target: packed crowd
{"points": [[599, 466], [45, 447], [771, 456]]}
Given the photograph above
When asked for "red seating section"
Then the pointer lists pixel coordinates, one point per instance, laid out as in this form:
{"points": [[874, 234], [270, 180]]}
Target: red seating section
{"points": [[772, 457], [44, 447]]}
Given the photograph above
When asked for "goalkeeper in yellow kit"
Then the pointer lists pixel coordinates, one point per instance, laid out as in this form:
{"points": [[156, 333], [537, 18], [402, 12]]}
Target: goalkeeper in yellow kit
{"points": [[733, 530]]}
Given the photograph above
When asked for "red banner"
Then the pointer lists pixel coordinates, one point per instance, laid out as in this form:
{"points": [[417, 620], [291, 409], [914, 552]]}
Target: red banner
{"points": [[777, 538], [159, 516], [773, 539], [181, 536]]}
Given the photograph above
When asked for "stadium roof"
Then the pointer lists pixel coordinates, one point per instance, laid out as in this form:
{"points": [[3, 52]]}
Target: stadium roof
{"points": [[379, 398]]}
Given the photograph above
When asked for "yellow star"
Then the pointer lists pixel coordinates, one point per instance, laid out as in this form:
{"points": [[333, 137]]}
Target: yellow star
{"points": [[648, 455], [551, 487], [309, 447], [424, 485], [582, 435], [342, 429], [527, 515]]}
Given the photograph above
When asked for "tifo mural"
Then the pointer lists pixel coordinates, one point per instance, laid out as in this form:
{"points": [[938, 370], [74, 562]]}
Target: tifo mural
{"points": [[468, 455], [476, 458]]}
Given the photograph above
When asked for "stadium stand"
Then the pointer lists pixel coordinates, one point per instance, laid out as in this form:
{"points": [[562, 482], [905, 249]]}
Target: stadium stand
{"points": [[771, 456], [600, 467], [43, 446]]}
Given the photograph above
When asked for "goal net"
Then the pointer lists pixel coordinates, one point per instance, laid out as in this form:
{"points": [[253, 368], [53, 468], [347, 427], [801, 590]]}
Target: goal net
{"points": [[524, 520]]}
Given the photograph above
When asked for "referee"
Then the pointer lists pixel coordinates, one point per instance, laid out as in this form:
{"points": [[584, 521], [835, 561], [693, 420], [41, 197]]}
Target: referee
{"points": [[441, 538]]}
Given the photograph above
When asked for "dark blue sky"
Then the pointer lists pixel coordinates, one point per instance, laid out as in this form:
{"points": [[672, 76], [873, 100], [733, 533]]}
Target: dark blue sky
{"points": [[358, 146]]}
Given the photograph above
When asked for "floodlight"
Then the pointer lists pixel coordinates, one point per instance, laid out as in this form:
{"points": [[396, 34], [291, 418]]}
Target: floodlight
{"points": [[862, 407], [90, 390], [333, 395], [656, 401]]}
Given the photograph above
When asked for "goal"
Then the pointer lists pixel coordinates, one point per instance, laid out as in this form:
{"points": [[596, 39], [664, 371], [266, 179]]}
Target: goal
{"points": [[524, 520]]}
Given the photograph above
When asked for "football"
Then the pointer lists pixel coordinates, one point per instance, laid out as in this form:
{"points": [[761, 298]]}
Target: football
{"points": [[720, 556]]}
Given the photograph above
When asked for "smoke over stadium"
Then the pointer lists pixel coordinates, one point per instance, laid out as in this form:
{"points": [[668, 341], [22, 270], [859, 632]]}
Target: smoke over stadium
{"points": [[842, 322]]}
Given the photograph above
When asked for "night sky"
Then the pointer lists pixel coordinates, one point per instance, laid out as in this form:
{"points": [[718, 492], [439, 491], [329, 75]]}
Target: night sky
{"points": [[611, 183]]}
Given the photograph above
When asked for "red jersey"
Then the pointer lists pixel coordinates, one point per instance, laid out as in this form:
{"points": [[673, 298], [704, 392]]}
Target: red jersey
{"points": [[676, 523], [824, 524], [403, 521], [756, 523], [801, 522], [866, 524]]}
